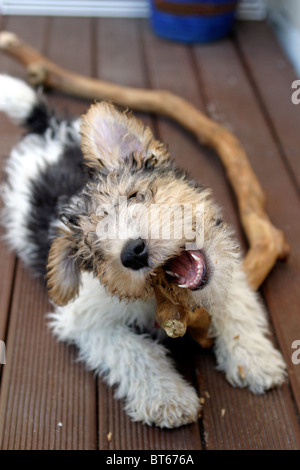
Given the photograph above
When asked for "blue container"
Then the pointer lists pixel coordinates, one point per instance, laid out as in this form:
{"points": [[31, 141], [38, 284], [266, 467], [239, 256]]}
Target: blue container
{"points": [[192, 21]]}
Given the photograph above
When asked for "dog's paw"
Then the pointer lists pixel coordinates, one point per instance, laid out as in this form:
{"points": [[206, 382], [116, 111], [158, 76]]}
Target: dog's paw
{"points": [[167, 408], [259, 368]]}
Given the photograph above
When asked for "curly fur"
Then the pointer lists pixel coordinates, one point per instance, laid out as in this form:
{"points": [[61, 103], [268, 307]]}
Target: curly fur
{"points": [[51, 212]]}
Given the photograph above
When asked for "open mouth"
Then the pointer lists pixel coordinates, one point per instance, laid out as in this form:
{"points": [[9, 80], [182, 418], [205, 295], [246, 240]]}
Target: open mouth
{"points": [[188, 270]]}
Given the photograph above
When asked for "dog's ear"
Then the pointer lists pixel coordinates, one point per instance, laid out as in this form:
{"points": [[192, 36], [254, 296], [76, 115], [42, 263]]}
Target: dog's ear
{"points": [[109, 135], [63, 273]]}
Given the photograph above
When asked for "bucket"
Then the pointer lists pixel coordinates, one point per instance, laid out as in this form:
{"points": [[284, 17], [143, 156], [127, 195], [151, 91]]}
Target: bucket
{"points": [[192, 21]]}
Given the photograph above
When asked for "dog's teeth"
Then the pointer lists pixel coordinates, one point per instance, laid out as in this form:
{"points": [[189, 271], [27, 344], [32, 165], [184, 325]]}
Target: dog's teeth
{"points": [[185, 286], [171, 273], [197, 258]]}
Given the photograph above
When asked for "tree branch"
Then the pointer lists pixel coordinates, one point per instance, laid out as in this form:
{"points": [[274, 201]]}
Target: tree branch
{"points": [[266, 242]]}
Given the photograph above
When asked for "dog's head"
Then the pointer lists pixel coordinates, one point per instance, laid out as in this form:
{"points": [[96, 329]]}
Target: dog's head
{"points": [[137, 213]]}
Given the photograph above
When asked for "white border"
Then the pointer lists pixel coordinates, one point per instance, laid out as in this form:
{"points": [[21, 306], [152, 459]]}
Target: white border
{"points": [[247, 10], [289, 37], [105, 8]]}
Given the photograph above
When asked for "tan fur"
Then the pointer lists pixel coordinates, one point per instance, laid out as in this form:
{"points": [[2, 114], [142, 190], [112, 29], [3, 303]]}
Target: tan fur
{"points": [[161, 185], [62, 280], [159, 190], [109, 135]]}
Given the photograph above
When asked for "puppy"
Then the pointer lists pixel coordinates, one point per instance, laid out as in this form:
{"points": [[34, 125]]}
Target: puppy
{"points": [[96, 206]]}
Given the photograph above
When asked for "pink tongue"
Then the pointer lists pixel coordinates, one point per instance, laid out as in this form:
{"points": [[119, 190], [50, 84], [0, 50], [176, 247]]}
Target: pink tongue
{"points": [[189, 268], [181, 265]]}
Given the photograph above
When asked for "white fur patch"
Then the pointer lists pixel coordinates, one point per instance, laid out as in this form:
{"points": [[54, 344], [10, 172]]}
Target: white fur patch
{"points": [[16, 98], [145, 377], [242, 348], [26, 161]]}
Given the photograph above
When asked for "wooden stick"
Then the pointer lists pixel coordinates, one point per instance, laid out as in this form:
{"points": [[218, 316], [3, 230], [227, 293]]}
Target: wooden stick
{"points": [[176, 311], [266, 242]]}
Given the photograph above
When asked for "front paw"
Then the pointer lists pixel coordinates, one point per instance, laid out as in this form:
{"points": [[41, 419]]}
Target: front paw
{"points": [[166, 408], [260, 367]]}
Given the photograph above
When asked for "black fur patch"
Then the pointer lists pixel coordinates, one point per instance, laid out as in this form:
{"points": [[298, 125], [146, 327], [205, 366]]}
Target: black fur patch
{"points": [[38, 119], [52, 190]]}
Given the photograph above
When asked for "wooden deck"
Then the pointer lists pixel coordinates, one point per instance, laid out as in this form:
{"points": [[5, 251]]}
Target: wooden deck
{"points": [[48, 400]]}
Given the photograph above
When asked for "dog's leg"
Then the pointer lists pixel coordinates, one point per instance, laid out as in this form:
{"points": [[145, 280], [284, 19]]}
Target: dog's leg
{"points": [[137, 365], [242, 349], [153, 391]]}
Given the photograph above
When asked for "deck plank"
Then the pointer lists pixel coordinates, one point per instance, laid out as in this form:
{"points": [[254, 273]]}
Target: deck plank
{"points": [[48, 400], [9, 137], [229, 93], [165, 73], [45, 395], [7, 259], [273, 80]]}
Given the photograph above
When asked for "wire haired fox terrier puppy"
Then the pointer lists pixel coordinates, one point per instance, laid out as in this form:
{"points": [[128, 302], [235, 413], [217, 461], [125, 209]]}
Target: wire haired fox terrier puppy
{"points": [[76, 202]]}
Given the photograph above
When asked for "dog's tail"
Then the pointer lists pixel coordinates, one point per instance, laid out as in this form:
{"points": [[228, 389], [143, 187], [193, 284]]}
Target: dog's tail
{"points": [[22, 104]]}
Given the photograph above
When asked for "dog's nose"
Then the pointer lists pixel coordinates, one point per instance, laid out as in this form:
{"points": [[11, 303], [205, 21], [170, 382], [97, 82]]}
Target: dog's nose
{"points": [[134, 254]]}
